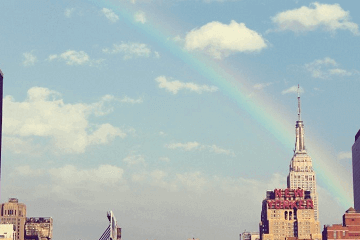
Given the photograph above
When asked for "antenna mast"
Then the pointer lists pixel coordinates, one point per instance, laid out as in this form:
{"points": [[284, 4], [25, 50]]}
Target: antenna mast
{"points": [[299, 109]]}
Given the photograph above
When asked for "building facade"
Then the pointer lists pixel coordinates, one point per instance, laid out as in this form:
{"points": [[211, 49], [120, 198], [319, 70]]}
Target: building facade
{"points": [[14, 213], [7, 232], [301, 173], [38, 228], [250, 236], [1, 111], [356, 170], [349, 229], [288, 213]]}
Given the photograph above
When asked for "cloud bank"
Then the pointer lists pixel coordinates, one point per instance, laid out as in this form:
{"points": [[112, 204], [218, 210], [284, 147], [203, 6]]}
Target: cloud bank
{"points": [[66, 126], [328, 17], [220, 40]]}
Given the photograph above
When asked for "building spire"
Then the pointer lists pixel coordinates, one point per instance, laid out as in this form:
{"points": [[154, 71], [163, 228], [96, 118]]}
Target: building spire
{"points": [[299, 108], [299, 129]]}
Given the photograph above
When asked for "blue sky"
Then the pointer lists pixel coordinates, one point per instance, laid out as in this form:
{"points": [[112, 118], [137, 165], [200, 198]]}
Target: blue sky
{"points": [[177, 115]]}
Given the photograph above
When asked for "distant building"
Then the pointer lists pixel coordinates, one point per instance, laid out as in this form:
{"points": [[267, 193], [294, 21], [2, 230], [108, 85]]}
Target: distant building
{"points": [[7, 232], [113, 231], [349, 229], [38, 228], [250, 236], [288, 213], [14, 213], [1, 111], [356, 170]]}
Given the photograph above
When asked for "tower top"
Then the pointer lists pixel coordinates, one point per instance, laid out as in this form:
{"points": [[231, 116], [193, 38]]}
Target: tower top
{"points": [[299, 129], [299, 108]]}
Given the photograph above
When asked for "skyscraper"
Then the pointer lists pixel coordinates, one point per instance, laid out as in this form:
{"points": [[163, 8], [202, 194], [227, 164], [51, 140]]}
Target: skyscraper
{"points": [[301, 173], [1, 103], [14, 213], [356, 170]]}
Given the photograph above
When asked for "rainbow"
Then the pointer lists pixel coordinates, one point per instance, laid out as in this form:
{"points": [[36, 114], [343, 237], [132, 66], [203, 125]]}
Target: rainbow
{"points": [[332, 175]]}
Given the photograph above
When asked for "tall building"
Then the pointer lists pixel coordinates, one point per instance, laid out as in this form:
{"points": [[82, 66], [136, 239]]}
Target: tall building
{"points": [[349, 229], [356, 170], [288, 214], [14, 213], [1, 103], [301, 173]]}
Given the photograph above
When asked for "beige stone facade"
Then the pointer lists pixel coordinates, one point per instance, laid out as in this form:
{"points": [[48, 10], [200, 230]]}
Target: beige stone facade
{"points": [[14, 213], [288, 214], [38, 228], [7, 232], [301, 173]]}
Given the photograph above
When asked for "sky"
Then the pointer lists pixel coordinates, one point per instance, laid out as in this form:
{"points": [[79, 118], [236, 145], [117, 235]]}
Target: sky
{"points": [[177, 115]]}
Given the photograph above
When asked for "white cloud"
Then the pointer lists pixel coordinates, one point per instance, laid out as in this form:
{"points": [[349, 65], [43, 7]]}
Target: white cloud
{"points": [[21, 145], [130, 50], [164, 159], [109, 14], [67, 181], [134, 159], [340, 72], [185, 146], [44, 114], [27, 171], [219, 150], [327, 67], [140, 16], [176, 85], [127, 99], [344, 155], [68, 12], [293, 89], [260, 86], [29, 59], [220, 40], [104, 174], [194, 181], [157, 54], [329, 17], [102, 107], [191, 146], [71, 57]]}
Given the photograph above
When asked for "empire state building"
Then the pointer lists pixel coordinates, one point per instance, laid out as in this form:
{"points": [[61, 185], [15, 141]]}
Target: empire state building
{"points": [[301, 173]]}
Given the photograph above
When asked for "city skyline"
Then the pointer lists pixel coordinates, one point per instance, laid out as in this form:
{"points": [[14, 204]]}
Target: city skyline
{"points": [[176, 115]]}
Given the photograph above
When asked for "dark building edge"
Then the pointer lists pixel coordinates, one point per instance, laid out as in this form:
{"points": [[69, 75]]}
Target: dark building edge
{"points": [[1, 112]]}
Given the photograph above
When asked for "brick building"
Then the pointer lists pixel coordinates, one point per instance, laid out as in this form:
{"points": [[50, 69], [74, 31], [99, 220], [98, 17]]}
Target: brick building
{"points": [[349, 229]]}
